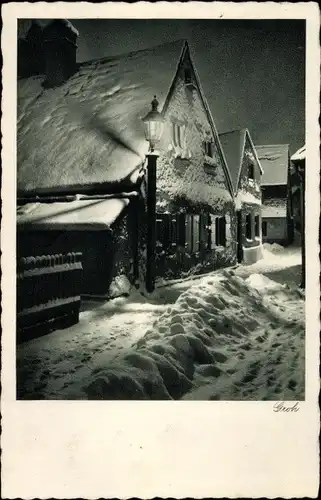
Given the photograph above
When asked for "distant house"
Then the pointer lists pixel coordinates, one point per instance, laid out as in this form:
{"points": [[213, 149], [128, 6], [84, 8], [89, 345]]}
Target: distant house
{"points": [[81, 147], [277, 222], [246, 172], [298, 167]]}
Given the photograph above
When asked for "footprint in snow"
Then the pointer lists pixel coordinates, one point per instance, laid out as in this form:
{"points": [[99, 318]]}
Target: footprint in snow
{"points": [[220, 357]]}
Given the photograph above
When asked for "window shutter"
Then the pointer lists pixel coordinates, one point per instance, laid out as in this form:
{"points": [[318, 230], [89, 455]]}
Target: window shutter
{"points": [[257, 225], [196, 234], [208, 232], [189, 233], [203, 232], [217, 231], [167, 231], [223, 231], [213, 231], [181, 228], [159, 229], [175, 134], [182, 136], [228, 228]]}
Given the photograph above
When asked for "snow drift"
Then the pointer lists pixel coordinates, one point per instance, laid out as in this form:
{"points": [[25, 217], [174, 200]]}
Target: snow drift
{"points": [[225, 338]]}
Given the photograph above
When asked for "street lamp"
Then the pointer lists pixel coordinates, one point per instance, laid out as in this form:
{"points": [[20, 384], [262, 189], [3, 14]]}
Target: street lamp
{"points": [[153, 124]]}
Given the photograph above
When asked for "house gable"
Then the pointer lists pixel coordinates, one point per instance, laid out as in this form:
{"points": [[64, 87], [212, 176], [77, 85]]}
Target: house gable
{"points": [[191, 166], [250, 168]]}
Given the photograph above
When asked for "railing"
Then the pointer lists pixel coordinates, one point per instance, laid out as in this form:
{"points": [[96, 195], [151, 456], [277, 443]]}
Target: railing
{"points": [[48, 293]]}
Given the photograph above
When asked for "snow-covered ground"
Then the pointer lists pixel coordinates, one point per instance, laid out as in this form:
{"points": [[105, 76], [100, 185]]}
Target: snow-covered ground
{"points": [[236, 334]]}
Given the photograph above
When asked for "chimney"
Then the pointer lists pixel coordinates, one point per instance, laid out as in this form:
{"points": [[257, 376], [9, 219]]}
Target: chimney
{"points": [[60, 52]]}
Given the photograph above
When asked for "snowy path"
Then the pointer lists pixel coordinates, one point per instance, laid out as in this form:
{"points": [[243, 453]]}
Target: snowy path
{"points": [[230, 335]]}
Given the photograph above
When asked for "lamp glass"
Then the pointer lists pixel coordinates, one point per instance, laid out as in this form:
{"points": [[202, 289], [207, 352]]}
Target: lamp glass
{"points": [[153, 131]]}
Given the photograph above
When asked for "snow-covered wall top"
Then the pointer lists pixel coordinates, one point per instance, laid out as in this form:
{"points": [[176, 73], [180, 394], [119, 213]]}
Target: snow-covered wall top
{"points": [[184, 171], [274, 207], [79, 214], [89, 131], [275, 162]]}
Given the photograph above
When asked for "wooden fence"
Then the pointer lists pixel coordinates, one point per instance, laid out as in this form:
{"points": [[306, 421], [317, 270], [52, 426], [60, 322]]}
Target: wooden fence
{"points": [[48, 293]]}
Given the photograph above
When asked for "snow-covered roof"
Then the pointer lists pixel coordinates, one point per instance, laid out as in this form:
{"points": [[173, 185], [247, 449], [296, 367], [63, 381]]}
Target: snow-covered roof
{"points": [[79, 214], [246, 197], [275, 162], [43, 23], [299, 155], [274, 208], [233, 143], [89, 131]]}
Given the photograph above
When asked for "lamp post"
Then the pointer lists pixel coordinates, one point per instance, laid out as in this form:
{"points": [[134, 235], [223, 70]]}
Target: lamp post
{"points": [[153, 124]]}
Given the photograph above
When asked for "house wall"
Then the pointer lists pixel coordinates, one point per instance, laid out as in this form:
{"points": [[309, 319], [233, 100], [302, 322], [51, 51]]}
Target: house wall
{"points": [[190, 182], [276, 230], [106, 254], [249, 203]]}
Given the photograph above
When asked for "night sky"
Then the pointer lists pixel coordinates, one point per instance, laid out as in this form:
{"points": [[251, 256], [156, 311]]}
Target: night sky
{"points": [[252, 72]]}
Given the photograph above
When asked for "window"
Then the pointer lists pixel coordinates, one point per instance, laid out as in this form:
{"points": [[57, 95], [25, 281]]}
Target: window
{"points": [[221, 231], [257, 226], [248, 227], [178, 135], [208, 148], [188, 75], [264, 228], [192, 232], [251, 171]]}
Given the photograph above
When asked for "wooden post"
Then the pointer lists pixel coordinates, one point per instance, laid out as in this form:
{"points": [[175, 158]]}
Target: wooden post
{"points": [[151, 221], [239, 236]]}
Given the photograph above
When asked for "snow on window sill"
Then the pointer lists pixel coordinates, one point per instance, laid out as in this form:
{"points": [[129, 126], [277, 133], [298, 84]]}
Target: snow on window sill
{"points": [[249, 240], [182, 153], [190, 85], [209, 160]]}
